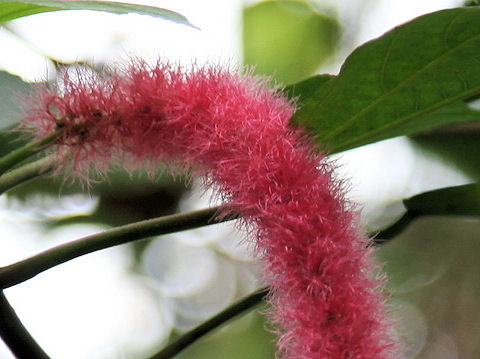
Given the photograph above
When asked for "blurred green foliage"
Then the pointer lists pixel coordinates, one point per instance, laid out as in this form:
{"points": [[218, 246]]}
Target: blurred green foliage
{"points": [[123, 197], [287, 39], [433, 268], [242, 338], [11, 89]]}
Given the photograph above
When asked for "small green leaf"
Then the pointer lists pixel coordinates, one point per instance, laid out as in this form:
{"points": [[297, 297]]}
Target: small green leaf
{"points": [[287, 39], [10, 10], [10, 87], [458, 147], [459, 200], [471, 3], [391, 86]]}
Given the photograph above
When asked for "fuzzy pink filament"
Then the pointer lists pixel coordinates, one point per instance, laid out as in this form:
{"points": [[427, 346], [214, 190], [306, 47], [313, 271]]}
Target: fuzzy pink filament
{"points": [[326, 299]]}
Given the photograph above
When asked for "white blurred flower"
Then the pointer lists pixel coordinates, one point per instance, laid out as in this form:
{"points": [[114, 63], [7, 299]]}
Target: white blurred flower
{"points": [[202, 271], [41, 207], [92, 303]]}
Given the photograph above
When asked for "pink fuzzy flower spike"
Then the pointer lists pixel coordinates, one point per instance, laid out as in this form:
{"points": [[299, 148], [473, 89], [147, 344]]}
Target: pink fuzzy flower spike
{"points": [[84, 110], [326, 298]]}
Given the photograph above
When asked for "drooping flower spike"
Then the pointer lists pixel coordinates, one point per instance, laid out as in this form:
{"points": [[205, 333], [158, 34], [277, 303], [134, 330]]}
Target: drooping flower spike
{"points": [[326, 295]]}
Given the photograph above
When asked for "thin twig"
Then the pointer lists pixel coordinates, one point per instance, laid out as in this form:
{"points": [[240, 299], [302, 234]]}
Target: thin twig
{"points": [[191, 336], [28, 268], [15, 335]]}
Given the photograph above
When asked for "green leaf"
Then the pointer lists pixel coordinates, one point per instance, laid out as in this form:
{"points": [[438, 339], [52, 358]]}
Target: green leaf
{"points": [[287, 39], [459, 200], [10, 87], [305, 89], [457, 112], [471, 3], [10, 10], [391, 86], [458, 147]]}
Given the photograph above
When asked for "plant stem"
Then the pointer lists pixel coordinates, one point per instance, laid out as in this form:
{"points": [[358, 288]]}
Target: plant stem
{"points": [[30, 267], [15, 335], [22, 153], [25, 173], [196, 333]]}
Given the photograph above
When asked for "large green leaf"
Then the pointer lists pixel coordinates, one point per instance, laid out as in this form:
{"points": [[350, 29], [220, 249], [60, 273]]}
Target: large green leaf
{"points": [[10, 10], [452, 114], [305, 89], [393, 85], [458, 200], [287, 39]]}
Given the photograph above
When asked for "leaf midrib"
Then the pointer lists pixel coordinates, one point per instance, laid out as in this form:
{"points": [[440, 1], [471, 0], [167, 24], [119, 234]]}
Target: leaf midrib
{"points": [[345, 145]]}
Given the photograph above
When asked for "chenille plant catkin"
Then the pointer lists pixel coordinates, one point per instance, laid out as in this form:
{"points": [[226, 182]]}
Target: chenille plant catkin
{"points": [[327, 299]]}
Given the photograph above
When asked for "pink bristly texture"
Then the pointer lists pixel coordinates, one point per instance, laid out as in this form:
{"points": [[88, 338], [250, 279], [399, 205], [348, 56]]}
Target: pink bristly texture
{"points": [[327, 299]]}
